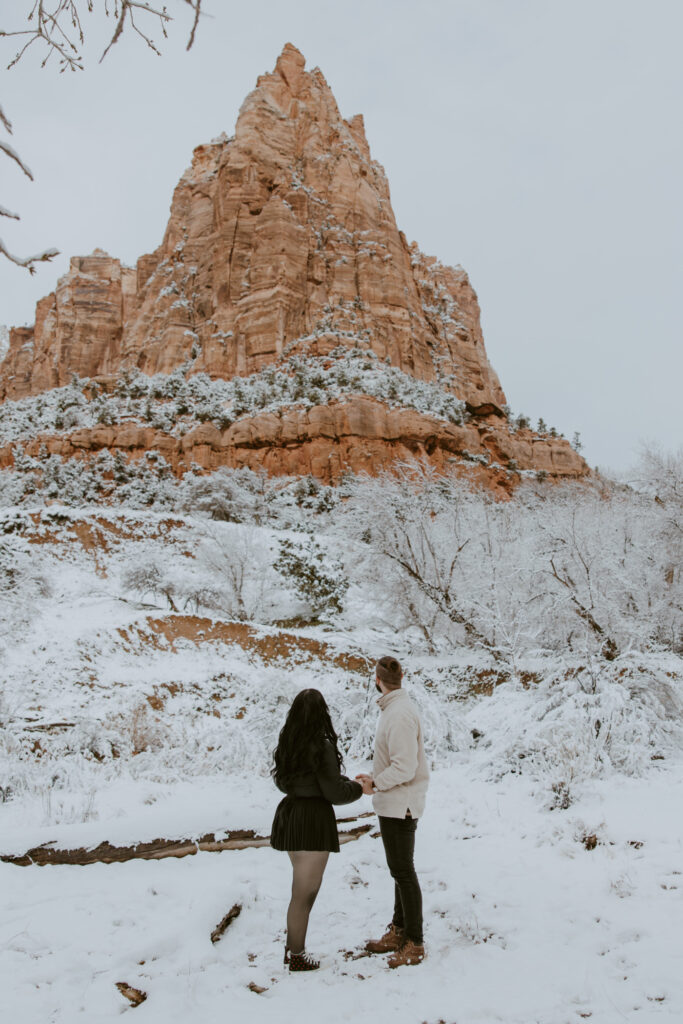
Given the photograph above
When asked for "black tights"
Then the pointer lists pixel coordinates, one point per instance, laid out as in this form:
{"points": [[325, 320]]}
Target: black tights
{"points": [[308, 867]]}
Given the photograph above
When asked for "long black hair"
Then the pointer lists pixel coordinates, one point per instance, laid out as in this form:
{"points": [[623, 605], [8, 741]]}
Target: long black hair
{"points": [[302, 737]]}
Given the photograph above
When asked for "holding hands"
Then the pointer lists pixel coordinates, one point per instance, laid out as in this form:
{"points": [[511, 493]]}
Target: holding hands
{"points": [[366, 783]]}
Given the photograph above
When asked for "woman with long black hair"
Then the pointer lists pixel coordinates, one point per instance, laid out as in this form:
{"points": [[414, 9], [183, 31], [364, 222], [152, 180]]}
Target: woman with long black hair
{"points": [[308, 768]]}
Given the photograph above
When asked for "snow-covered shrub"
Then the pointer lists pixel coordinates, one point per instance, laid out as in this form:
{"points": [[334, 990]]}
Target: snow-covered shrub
{"points": [[240, 563], [317, 578], [23, 582], [20, 484], [313, 496], [149, 577], [139, 730], [576, 721], [231, 495]]}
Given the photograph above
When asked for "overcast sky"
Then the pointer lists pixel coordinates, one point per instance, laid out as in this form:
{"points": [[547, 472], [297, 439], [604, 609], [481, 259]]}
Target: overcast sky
{"points": [[536, 142]]}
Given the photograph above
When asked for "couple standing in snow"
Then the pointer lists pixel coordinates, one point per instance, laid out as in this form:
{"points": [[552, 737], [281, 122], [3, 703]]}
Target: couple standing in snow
{"points": [[308, 768]]}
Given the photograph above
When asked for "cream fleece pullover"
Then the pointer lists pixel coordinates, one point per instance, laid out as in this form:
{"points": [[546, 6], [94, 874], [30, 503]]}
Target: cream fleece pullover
{"points": [[399, 767]]}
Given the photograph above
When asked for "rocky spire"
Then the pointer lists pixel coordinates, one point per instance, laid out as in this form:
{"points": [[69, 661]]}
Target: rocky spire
{"points": [[281, 240]]}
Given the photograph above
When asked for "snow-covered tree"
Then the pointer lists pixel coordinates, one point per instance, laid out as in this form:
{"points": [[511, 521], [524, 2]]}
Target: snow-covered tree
{"points": [[570, 568], [149, 577], [317, 577], [240, 565]]}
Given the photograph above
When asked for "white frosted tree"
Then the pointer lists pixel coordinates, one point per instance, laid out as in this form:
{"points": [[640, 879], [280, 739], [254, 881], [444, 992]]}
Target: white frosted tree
{"points": [[572, 569], [238, 561]]}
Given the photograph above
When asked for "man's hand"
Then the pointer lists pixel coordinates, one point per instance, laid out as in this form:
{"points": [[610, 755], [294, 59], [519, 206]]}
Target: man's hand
{"points": [[366, 783]]}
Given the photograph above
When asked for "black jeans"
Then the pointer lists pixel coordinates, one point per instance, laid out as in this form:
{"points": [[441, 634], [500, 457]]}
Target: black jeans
{"points": [[398, 836]]}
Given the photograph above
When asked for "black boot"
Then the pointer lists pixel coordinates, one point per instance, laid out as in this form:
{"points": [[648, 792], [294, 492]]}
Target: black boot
{"points": [[303, 962]]}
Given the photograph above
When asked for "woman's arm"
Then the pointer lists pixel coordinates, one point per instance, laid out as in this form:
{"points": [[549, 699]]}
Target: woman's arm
{"points": [[336, 788]]}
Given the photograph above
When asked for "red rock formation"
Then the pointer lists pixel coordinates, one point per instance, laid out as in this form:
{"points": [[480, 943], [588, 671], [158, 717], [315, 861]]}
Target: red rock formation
{"points": [[78, 328], [280, 238], [325, 441]]}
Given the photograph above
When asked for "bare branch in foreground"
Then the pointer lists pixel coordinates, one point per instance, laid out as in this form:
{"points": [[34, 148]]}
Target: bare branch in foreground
{"points": [[29, 261], [57, 24], [5, 120], [13, 155], [197, 5], [127, 10]]}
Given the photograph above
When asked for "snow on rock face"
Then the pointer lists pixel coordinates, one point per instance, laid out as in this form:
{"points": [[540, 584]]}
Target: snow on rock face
{"points": [[281, 235]]}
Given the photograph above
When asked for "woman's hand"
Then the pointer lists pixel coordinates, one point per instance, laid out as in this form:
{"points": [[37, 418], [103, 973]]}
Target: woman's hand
{"points": [[366, 783]]}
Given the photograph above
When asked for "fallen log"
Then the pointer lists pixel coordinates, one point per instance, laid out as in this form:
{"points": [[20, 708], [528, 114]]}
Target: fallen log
{"points": [[105, 853], [225, 922]]}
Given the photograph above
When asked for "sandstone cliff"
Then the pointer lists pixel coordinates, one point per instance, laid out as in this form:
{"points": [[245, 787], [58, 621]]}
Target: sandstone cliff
{"points": [[282, 242]]}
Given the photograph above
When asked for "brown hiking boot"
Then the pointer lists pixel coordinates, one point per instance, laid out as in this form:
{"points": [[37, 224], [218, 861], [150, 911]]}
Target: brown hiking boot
{"points": [[392, 940], [409, 953]]}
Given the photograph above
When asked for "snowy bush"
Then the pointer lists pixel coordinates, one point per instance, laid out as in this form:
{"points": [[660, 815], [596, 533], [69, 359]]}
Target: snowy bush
{"points": [[577, 721], [23, 583], [316, 577], [240, 562], [149, 578], [232, 495]]}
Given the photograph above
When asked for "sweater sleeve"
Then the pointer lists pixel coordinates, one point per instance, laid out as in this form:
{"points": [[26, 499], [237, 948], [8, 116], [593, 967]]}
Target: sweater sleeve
{"points": [[402, 742], [336, 788]]}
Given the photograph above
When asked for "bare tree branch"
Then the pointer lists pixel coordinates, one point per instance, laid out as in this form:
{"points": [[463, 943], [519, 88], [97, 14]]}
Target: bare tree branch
{"points": [[5, 121], [580, 608], [197, 5], [127, 11], [29, 260], [13, 155], [57, 24], [49, 29]]}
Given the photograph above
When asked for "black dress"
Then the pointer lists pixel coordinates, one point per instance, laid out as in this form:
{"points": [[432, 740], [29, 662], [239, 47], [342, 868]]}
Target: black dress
{"points": [[304, 819]]}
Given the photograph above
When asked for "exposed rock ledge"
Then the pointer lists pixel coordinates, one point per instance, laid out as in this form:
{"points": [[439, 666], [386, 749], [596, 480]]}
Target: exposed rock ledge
{"points": [[361, 434]]}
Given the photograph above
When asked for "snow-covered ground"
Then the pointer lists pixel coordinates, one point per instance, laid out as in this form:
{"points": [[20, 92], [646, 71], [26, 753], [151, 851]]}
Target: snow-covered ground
{"points": [[523, 923], [550, 852]]}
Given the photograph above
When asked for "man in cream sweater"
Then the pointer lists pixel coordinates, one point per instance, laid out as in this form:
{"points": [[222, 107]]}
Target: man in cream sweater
{"points": [[398, 785]]}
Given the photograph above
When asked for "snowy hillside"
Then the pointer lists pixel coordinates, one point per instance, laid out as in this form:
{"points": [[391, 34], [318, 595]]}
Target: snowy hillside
{"points": [[148, 660]]}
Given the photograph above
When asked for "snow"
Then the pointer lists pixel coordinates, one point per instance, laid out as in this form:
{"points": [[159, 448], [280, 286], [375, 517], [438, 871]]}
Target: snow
{"points": [[4, 341], [177, 401], [522, 922], [550, 852], [4, 212]]}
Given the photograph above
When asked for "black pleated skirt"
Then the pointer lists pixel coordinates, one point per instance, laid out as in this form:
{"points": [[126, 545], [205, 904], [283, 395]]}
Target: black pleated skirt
{"points": [[304, 823]]}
